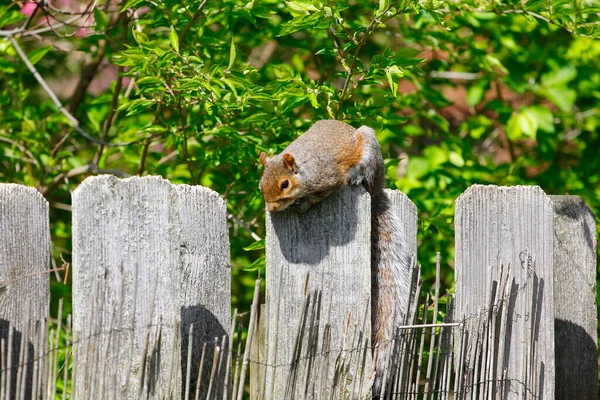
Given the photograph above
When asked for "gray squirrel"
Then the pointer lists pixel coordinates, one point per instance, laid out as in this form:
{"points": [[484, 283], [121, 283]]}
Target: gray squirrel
{"points": [[329, 155]]}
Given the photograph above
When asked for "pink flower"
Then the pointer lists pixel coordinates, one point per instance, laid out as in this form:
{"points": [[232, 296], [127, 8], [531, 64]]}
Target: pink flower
{"points": [[28, 8]]}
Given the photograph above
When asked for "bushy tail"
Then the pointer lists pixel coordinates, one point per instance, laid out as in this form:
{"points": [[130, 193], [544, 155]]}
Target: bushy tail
{"points": [[390, 275]]}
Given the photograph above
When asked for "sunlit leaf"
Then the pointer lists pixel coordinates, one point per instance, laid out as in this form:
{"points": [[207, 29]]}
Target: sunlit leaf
{"points": [[36, 55], [174, 39]]}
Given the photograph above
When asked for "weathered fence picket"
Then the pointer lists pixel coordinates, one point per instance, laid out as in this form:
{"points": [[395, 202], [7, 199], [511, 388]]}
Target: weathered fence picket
{"points": [[331, 245], [317, 260], [506, 233], [24, 287], [575, 318], [150, 259]]}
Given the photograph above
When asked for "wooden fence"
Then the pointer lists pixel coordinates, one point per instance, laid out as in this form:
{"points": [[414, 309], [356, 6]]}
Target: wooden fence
{"points": [[152, 311]]}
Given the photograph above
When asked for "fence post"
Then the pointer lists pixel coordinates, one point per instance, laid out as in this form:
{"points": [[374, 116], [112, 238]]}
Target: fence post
{"points": [[149, 260], [311, 319], [505, 235], [24, 282], [575, 320]]}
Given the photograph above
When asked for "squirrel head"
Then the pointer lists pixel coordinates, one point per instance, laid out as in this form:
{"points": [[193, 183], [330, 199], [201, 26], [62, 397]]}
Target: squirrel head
{"points": [[279, 183]]}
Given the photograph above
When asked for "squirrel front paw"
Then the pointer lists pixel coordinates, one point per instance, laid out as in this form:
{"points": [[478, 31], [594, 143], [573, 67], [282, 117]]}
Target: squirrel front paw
{"points": [[301, 205]]}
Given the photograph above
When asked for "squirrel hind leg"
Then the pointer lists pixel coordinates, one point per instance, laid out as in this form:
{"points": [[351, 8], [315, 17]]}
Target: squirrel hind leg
{"points": [[370, 169]]}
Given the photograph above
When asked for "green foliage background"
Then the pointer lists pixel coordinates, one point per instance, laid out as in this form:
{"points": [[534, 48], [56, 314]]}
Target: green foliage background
{"points": [[460, 93]]}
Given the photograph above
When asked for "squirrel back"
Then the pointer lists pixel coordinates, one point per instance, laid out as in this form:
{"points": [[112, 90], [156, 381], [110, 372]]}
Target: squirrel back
{"points": [[328, 156]]}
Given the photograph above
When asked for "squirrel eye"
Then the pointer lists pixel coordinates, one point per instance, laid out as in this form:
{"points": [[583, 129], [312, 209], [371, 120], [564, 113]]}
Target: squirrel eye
{"points": [[285, 184]]}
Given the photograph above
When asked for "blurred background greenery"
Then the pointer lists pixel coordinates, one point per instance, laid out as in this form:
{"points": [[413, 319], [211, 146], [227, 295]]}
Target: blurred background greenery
{"points": [[491, 92]]}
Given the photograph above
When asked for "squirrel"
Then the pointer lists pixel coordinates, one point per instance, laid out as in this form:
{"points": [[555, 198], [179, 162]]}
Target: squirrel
{"points": [[329, 155]]}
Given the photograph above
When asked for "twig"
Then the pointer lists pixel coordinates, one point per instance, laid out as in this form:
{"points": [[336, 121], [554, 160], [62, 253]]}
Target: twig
{"points": [[340, 52], [42, 82], [74, 122], [25, 25], [85, 169], [455, 75], [191, 21], [24, 149], [87, 75], [49, 27], [245, 226], [114, 104], [372, 26]]}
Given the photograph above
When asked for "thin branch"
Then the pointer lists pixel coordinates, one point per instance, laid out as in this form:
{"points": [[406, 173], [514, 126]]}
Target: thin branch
{"points": [[244, 226], [42, 82], [86, 12], [59, 144], [49, 27], [372, 26], [30, 17], [85, 169], [142, 165], [340, 52], [23, 149], [25, 25], [87, 75], [114, 103], [65, 12], [455, 75], [74, 122], [191, 21]]}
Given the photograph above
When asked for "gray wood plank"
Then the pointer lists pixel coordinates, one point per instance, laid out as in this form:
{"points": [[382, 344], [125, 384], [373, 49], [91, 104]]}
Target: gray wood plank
{"points": [[405, 239], [331, 243], [149, 259], [24, 271], [575, 319], [497, 228]]}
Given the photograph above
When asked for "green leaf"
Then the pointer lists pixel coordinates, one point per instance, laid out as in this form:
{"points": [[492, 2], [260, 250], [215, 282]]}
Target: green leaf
{"points": [[137, 106], [299, 7], [258, 245], [37, 54], [563, 97], [559, 77], [521, 124], [544, 120], [232, 54], [456, 159], [100, 19], [393, 73], [383, 5], [259, 264], [140, 37], [475, 93], [131, 4], [494, 65], [174, 39]]}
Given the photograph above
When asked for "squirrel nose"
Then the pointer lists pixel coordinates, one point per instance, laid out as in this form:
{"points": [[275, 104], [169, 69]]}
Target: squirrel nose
{"points": [[272, 207]]}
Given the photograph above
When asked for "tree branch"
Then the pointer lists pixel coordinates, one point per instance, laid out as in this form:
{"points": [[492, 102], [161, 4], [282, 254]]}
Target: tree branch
{"points": [[372, 26], [244, 226], [85, 169], [192, 19], [74, 122]]}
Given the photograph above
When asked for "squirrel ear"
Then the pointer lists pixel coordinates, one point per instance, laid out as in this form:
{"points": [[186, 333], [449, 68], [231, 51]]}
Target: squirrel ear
{"points": [[263, 158], [289, 162]]}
